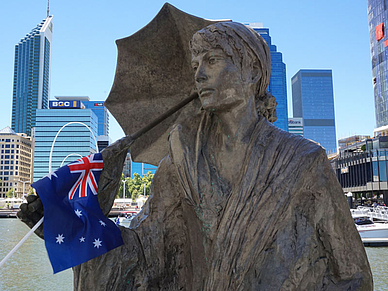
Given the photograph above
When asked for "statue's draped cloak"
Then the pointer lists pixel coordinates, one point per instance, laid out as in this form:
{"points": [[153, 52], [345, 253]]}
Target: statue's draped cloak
{"points": [[280, 223]]}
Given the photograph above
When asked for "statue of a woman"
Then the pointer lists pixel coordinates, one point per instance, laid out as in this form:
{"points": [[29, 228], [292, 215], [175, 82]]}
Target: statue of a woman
{"points": [[238, 204]]}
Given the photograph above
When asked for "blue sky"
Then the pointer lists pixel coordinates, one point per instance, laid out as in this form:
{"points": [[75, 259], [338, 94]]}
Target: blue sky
{"points": [[311, 34]]}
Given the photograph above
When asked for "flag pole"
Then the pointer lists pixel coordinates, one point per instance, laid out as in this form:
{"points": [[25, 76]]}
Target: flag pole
{"points": [[21, 242]]}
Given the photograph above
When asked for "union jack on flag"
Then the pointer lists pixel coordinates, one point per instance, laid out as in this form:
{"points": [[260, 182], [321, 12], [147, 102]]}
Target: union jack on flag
{"points": [[87, 166], [75, 229]]}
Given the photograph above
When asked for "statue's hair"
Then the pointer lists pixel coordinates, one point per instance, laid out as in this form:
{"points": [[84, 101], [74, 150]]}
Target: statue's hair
{"points": [[246, 48]]}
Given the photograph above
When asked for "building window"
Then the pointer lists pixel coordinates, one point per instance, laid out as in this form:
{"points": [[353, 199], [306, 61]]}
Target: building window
{"points": [[380, 31]]}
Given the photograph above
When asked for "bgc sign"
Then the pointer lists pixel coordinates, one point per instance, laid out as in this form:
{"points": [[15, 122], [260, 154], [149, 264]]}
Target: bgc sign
{"points": [[71, 104]]}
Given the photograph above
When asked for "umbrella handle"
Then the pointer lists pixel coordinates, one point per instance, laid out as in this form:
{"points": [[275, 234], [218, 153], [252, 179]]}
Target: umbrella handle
{"points": [[162, 117], [124, 143]]}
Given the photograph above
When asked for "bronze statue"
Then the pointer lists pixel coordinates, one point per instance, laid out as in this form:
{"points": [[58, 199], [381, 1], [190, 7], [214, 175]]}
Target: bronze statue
{"points": [[237, 204]]}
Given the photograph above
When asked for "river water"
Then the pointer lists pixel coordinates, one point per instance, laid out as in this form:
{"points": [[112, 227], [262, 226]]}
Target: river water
{"points": [[29, 268]]}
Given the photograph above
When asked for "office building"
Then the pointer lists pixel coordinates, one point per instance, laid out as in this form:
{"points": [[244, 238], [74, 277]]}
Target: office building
{"points": [[127, 166], [362, 167], [378, 23], [313, 101], [352, 143], [278, 83], [142, 169], [102, 114], [130, 168], [31, 81], [295, 126], [15, 162], [74, 141]]}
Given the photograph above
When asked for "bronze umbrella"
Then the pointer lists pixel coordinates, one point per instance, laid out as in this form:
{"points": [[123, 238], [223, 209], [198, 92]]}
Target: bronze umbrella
{"points": [[153, 75]]}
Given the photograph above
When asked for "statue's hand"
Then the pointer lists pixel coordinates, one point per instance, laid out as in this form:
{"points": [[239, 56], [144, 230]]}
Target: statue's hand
{"points": [[31, 212]]}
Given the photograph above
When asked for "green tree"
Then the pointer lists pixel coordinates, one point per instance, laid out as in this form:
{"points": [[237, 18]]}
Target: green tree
{"points": [[30, 191], [9, 193], [135, 186], [147, 180]]}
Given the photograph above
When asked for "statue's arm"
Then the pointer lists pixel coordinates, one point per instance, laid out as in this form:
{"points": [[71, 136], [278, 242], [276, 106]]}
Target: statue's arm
{"points": [[114, 156], [337, 232]]}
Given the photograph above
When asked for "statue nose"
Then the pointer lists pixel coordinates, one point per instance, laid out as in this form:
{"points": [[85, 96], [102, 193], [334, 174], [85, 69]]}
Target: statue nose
{"points": [[200, 75]]}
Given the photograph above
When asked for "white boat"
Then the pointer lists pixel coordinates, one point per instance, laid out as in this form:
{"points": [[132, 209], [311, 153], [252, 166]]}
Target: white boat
{"points": [[371, 232]]}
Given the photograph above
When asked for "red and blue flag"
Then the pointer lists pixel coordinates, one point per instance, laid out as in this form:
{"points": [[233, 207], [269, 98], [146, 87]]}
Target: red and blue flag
{"points": [[75, 229]]}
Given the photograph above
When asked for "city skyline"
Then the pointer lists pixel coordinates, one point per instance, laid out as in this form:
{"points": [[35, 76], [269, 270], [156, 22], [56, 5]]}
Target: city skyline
{"points": [[326, 35]]}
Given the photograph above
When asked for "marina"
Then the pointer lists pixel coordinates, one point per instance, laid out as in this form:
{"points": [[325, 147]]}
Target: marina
{"points": [[30, 269]]}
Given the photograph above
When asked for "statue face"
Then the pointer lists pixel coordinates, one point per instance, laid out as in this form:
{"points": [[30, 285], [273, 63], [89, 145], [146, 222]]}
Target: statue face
{"points": [[218, 80]]}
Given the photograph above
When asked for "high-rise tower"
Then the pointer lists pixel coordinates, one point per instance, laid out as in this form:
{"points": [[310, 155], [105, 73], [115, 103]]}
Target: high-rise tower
{"points": [[278, 83], [378, 23], [313, 100], [31, 82]]}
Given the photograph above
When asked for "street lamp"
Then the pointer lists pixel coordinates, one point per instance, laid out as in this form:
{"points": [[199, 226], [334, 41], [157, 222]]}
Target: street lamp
{"points": [[123, 189], [24, 184]]}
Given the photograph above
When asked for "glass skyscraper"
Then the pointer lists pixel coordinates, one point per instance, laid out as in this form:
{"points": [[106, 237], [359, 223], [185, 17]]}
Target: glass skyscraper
{"points": [[102, 114], [99, 110], [378, 21], [313, 100], [73, 142], [278, 83], [31, 82]]}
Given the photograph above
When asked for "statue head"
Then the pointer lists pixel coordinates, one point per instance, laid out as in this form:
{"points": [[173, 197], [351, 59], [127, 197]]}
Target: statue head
{"points": [[249, 54]]}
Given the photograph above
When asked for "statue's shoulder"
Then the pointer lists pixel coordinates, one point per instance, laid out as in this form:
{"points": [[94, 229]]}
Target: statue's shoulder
{"points": [[295, 144]]}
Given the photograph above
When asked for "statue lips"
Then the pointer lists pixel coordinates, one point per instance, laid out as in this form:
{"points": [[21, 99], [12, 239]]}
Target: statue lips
{"points": [[205, 92]]}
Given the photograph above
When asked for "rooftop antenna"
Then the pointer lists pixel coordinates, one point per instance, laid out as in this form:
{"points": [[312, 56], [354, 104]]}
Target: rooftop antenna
{"points": [[48, 8]]}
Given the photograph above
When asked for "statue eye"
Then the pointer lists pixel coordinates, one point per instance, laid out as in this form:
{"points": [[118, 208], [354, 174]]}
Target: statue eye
{"points": [[194, 66], [212, 60]]}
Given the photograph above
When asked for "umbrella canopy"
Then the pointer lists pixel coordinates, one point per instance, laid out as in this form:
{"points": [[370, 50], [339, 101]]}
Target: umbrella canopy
{"points": [[153, 74]]}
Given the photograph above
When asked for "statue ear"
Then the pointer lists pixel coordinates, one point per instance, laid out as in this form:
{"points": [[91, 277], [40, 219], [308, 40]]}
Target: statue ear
{"points": [[255, 73]]}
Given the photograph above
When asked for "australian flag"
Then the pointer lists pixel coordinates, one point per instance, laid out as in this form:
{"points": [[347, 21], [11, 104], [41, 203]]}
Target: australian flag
{"points": [[75, 229]]}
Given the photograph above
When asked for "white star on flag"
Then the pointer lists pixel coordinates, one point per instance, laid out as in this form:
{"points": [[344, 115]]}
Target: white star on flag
{"points": [[60, 239], [102, 223], [78, 212], [50, 175], [97, 243], [82, 239]]}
